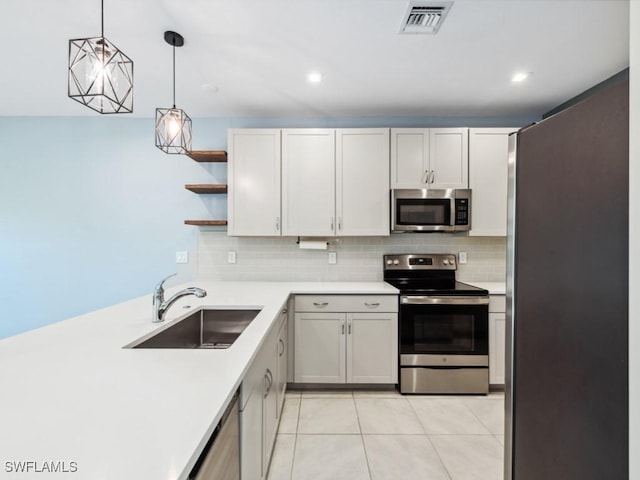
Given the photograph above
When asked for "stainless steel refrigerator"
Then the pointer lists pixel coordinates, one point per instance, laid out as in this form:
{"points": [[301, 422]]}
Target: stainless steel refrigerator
{"points": [[566, 392]]}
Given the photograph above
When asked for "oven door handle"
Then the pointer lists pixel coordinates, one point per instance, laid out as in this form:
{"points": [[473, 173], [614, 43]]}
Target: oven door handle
{"points": [[429, 300]]}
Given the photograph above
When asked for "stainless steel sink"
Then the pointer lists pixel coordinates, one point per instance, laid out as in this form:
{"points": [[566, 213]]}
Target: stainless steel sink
{"points": [[205, 328]]}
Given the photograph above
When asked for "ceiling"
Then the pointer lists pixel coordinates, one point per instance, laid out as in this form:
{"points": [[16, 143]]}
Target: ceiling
{"points": [[251, 57]]}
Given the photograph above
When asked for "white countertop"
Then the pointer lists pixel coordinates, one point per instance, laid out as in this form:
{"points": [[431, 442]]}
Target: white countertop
{"points": [[69, 392]]}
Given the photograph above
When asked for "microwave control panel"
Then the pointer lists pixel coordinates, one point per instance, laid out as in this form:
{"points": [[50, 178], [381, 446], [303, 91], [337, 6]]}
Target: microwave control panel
{"points": [[462, 211]]}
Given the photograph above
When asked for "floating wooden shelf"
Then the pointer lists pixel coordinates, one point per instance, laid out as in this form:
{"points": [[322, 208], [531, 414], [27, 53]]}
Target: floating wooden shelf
{"points": [[208, 155], [206, 223], [206, 188]]}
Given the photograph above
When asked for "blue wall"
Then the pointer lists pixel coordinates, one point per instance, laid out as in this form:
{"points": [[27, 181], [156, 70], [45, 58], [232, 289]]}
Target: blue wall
{"points": [[91, 212]]}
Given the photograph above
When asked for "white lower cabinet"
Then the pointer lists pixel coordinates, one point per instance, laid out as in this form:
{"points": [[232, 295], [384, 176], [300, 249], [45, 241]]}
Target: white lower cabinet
{"points": [[497, 339], [320, 348], [283, 348], [251, 435], [261, 402], [346, 339]]}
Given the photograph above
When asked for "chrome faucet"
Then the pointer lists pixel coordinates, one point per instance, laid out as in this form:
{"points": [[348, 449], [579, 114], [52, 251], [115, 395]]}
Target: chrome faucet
{"points": [[160, 306]]}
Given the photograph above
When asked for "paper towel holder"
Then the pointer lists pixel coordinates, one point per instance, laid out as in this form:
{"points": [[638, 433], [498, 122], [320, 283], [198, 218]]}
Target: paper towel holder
{"points": [[298, 242]]}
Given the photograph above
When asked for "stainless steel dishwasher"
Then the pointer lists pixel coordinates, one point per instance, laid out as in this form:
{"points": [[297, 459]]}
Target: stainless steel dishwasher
{"points": [[220, 459]]}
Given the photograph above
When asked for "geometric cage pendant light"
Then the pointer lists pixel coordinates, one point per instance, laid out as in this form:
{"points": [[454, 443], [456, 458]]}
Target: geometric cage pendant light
{"points": [[100, 75], [173, 125]]}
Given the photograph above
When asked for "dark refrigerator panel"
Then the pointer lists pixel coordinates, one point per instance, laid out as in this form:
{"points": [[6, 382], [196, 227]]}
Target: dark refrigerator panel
{"points": [[567, 397]]}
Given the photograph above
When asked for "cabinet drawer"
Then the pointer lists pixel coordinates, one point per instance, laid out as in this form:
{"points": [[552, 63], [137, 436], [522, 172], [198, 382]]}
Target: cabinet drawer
{"points": [[497, 303], [346, 303]]}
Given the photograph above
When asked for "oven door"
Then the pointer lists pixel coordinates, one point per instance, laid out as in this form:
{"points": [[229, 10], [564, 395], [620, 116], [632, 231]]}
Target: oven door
{"points": [[444, 330]]}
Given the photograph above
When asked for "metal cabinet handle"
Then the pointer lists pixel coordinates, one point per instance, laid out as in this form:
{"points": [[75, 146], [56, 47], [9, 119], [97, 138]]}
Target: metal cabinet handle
{"points": [[277, 224], [425, 177], [265, 385], [342, 323], [281, 343], [372, 305], [320, 304], [432, 176], [284, 311], [332, 224], [339, 223], [269, 378], [349, 329]]}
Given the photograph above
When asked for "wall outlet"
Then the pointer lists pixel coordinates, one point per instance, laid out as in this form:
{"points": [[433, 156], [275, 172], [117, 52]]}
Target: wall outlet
{"points": [[231, 256], [462, 258], [182, 257], [333, 258]]}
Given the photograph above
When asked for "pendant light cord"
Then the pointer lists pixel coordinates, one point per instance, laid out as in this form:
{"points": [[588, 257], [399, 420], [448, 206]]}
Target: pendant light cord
{"points": [[174, 73], [102, 18]]}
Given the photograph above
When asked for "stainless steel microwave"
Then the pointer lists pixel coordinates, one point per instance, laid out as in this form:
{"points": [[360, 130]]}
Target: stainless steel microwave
{"points": [[430, 210]]}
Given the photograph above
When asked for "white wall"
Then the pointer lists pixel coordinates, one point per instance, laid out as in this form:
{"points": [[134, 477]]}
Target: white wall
{"points": [[634, 245], [90, 215]]}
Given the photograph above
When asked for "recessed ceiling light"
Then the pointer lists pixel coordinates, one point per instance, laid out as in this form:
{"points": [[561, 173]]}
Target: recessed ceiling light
{"points": [[314, 77], [520, 77]]}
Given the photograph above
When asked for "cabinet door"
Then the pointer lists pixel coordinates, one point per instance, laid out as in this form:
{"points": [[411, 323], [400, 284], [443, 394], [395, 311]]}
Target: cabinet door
{"points": [[488, 156], [251, 450], [362, 181], [320, 348], [282, 361], [497, 339], [449, 157], [269, 404], [308, 182], [372, 348], [409, 157], [253, 199]]}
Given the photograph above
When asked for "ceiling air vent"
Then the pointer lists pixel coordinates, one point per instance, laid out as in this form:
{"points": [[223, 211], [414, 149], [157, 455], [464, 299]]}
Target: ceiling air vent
{"points": [[424, 17]]}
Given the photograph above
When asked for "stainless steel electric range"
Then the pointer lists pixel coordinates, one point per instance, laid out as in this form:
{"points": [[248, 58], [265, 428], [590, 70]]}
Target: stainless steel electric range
{"points": [[443, 326]]}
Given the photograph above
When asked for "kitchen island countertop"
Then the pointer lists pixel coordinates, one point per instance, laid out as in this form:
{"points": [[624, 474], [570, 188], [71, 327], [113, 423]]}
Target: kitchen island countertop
{"points": [[73, 398]]}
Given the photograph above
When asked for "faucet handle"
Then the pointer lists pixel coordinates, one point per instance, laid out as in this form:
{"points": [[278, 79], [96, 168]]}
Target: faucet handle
{"points": [[160, 286]]}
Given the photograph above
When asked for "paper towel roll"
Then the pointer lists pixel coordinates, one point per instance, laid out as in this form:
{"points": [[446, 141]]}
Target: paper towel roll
{"points": [[313, 244]]}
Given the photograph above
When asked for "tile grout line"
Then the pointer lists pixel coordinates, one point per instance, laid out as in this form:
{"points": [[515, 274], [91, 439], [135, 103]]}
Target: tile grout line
{"points": [[430, 442], [364, 448], [295, 441], [464, 402]]}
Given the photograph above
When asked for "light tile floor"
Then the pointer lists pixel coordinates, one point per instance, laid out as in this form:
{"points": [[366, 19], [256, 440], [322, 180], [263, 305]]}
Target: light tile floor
{"points": [[387, 436]]}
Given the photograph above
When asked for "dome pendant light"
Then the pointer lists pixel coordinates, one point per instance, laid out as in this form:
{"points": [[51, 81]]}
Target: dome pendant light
{"points": [[173, 125], [100, 75]]}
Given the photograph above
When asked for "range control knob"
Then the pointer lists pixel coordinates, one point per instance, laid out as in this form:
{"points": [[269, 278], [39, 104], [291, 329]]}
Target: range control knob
{"points": [[396, 262], [445, 261], [389, 261]]}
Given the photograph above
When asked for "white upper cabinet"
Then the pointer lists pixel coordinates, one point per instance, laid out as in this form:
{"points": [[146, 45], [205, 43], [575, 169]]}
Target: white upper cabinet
{"points": [[308, 182], [335, 182], [488, 156], [254, 182], [449, 157], [409, 157], [433, 157], [362, 182]]}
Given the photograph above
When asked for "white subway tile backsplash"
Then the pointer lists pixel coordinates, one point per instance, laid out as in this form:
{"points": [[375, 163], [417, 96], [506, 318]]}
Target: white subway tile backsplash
{"points": [[359, 258]]}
